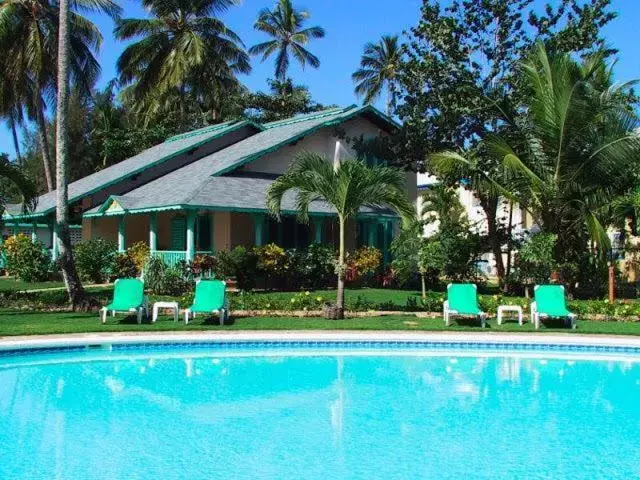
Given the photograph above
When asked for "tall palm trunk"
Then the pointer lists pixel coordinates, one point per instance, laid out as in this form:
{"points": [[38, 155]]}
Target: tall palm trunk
{"points": [[14, 134], [77, 296], [340, 292], [44, 141]]}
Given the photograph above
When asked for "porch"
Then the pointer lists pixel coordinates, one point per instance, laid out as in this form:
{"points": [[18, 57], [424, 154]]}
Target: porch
{"points": [[180, 235]]}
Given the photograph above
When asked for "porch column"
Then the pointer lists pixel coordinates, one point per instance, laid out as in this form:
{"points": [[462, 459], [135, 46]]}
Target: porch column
{"points": [[34, 232], [372, 231], [191, 237], [153, 233], [54, 240], [122, 243], [386, 254], [318, 223], [258, 229]]}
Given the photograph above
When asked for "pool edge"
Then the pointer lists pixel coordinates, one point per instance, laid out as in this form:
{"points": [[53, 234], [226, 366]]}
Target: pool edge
{"points": [[86, 339]]}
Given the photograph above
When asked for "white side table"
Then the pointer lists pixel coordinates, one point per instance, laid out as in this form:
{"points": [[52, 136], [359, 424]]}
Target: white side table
{"points": [[168, 305], [509, 308]]}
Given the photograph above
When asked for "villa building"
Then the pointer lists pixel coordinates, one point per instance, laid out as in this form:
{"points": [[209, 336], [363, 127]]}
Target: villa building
{"points": [[204, 190]]}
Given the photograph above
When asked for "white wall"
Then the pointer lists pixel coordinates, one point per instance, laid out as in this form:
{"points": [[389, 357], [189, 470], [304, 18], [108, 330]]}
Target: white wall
{"points": [[477, 218], [325, 143]]}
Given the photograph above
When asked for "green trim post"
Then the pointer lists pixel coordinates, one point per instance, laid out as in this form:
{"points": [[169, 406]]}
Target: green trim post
{"points": [[191, 238], [386, 253], [153, 232], [258, 229], [122, 240], [372, 233], [54, 241], [318, 224]]}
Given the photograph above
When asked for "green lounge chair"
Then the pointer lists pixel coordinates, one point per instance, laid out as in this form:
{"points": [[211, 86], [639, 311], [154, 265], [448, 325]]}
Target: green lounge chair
{"points": [[210, 298], [462, 299], [550, 301], [128, 296]]}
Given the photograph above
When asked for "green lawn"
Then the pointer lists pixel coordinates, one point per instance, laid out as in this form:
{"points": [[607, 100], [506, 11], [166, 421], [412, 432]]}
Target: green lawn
{"points": [[27, 323], [9, 284]]}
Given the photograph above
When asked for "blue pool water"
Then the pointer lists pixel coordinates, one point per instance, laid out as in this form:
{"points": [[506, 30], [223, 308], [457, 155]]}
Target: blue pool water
{"points": [[198, 413]]}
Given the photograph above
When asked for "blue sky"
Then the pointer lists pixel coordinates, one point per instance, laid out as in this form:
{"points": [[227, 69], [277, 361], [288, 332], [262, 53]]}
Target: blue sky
{"points": [[349, 25]]}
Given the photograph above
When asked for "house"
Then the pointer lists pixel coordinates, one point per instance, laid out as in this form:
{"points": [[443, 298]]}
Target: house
{"points": [[521, 220], [204, 191]]}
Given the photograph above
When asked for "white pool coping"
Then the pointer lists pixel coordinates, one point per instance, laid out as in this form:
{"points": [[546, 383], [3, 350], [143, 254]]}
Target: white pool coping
{"points": [[96, 339]]}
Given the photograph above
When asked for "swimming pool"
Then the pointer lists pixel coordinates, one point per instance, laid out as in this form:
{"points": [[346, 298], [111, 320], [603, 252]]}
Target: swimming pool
{"points": [[320, 410]]}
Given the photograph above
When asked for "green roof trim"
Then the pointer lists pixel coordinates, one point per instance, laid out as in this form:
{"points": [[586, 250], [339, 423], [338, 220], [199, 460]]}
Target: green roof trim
{"points": [[352, 111], [213, 128], [168, 208], [306, 117]]}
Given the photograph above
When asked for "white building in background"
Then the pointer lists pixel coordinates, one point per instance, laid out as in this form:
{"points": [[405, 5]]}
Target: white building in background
{"points": [[521, 221]]}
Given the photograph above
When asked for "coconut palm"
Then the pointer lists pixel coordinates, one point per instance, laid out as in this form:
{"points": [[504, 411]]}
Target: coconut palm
{"points": [[28, 39], [577, 149], [378, 69], [285, 25], [70, 275], [347, 187], [181, 37]]}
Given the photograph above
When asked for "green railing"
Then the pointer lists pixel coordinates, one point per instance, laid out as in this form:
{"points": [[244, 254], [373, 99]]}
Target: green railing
{"points": [[172, 257]]}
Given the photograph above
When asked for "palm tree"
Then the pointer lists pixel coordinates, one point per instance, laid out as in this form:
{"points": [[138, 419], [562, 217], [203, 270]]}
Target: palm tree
{"points": [[347, 187], [70, 275], [577, 151], [28, 38], [182, 37], [378, 69], [284, 24]]}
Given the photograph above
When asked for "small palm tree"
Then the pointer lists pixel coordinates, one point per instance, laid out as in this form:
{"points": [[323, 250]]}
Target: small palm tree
{"points": [[378, 69], [180, 38], [347, 187], [284, 24]]}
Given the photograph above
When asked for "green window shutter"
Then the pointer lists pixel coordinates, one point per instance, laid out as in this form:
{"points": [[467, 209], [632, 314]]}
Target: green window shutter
{"points": [[178, 233]]}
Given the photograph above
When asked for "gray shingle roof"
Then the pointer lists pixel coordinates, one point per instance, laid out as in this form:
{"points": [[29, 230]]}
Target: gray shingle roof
{"points": [[201, 183], [152, 156], [193, 181], [238, 193]]}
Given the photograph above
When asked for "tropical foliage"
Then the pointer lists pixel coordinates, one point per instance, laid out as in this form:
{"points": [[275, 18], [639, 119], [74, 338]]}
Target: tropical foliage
{"points": [[379, 67], [285, 25], [182, 50], [346, 187]]}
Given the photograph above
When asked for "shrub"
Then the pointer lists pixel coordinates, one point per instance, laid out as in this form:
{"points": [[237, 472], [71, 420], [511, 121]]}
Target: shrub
{"points": [[124, 266], [95, 259], [204, 265], [139, 253], [535, 260], [363, 264], [25, 259], [314, 267], [160, 279], [273, 262], [241, 264]]}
